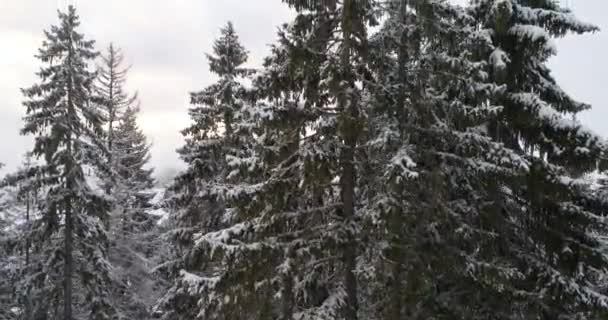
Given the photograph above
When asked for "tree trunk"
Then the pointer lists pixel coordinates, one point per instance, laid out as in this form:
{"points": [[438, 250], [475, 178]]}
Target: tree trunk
{"points": [[68, 268], [111, 117], [396, 219], [287, 307], [347, 181], [68, 230], [28, 300]]}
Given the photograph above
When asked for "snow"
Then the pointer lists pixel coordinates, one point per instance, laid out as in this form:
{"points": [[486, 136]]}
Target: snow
{"points": [[534, 33], [157, 203], [499, 59]]}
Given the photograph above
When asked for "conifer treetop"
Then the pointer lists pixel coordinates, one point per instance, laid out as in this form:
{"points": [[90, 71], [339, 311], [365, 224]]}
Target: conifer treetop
{"points": [[228, 54]]}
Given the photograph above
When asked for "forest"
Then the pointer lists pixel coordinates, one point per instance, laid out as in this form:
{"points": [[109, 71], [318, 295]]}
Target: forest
{"points": [[391, 159]]}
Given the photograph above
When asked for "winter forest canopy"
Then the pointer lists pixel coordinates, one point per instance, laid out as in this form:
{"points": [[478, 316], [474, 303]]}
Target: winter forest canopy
{"points": [[391, 159]]}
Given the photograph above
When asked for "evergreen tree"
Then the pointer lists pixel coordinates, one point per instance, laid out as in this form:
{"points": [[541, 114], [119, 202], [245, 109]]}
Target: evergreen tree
{"points": [[126, 180], [9, 261], [67, 127], [133, 250], [111, 94], [427, 160], [203, 193], [21, 192], [313, 90], [292, 251], [321, 63], [552, 242], [132, 152], [28, 194]]}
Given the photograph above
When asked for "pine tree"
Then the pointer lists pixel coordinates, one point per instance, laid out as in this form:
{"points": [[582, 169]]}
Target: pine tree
{"points": [[111, 94], [126, 181], [21, 191], [28, 193], [9, 261], [427, 160], [67, 127], [132, 152], [292, 252], [132, 251], [559, 252], [203, 193], [328, 44]]}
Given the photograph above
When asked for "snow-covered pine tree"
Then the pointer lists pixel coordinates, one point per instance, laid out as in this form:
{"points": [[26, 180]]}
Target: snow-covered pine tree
{"points": [[126, 180], [9, 261], [327, 51], [110, 92], [132, 228], [131, 154], [292, 254], [20, 195], [67, 126], [203, 194], [28, 194], [550, 237], [428, 162]]}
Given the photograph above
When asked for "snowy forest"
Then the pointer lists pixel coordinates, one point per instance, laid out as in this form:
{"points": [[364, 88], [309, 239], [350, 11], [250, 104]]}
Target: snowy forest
{"points": [[391, 159]]}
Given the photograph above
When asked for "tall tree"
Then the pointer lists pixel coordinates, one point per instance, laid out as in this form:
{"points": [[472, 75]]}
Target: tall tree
{"points": [[425, 158], [335, 35], [292, 251], [202, 192], [21, 192], [132, 252], [67, 126], [560, 251], [111, 94], [126, 181], [131, 151], [9, 261]]}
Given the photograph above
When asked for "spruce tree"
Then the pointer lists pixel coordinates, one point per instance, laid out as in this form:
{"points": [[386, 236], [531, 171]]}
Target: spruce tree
{"points": [[132, 252], [541, 220], [67, 126], [111, 95], [9, 259], [426, 162], [292, 252], [324, 62], [131, 154], [21, 192], [126, 180], [203, 194]]}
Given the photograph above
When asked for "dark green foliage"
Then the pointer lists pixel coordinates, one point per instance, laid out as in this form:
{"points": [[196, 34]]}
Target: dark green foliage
{"points": [[67, 127]]}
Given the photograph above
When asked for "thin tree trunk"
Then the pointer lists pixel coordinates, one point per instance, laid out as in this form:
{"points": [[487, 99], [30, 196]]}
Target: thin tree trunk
{"points": [[28, 303], [396, 221], [111, 117], [348, 169], [68, 230], [68, 268], [287, 307]]}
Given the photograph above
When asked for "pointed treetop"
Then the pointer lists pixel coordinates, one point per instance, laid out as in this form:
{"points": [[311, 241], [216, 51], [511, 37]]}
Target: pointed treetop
{"points": [[228, 53]]}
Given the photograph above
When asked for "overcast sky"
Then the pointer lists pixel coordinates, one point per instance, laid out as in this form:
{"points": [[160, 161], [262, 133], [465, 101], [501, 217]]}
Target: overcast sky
{"points": [[165, 42]]}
